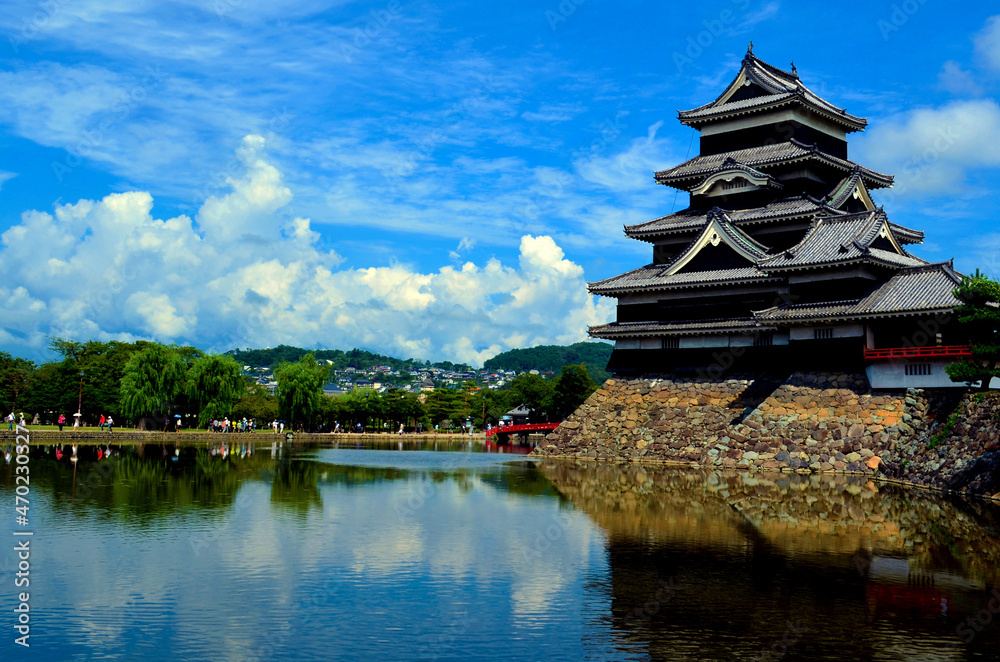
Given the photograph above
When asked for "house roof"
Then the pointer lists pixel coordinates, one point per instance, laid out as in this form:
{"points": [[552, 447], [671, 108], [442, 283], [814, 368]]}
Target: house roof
{"points": [[926, 288], [689, 327], [919, 290], [835, 240], [780, 88], [685, 175], [655, 277], [731, 169], [692, 219], [717, 228]]}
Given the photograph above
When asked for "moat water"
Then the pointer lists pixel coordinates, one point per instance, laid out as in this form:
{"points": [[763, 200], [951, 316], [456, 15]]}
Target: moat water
{"points": [[406, 553]]}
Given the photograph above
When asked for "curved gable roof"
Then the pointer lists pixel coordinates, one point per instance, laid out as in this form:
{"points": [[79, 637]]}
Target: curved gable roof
{"points": [[781, 87]]}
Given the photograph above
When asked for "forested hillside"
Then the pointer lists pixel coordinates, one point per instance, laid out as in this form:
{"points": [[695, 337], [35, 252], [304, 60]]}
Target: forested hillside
{"points": [[553, 357], [355, 358]]}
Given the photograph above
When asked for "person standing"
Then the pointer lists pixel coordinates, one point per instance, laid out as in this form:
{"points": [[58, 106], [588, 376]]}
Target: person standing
{"points": [[10, 421], [62, 421], [102, 422], [109, 423]]}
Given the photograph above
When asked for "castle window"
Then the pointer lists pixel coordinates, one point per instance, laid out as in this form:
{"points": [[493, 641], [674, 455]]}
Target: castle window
{"points": [[736, 182], [765, 339], [822, 334], [672, 343], [912, 369]]}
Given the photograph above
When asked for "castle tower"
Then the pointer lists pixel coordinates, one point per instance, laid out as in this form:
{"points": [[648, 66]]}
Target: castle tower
{"points": [[782, 260]]}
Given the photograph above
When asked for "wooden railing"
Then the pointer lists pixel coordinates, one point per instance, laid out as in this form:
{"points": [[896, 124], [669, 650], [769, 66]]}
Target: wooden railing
{"points": [[934, 351]]}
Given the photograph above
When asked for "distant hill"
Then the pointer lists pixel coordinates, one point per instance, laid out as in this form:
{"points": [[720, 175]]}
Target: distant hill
{"points": [[355, 358], [553, 357], [542, 358]]}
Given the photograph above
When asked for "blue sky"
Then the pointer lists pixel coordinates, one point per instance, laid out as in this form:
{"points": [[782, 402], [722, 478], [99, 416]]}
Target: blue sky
{"points": [[435, 180]]}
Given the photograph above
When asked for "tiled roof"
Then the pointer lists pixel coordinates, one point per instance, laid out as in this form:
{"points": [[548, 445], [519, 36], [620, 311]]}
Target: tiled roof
{"points": [[687, 327], [652, 277], [716, 227], [907, 235], [764, 157], [691, 219], [839, 239], [918, 290], [732, 165], [926, 288], [843, 191], [783, 88]]}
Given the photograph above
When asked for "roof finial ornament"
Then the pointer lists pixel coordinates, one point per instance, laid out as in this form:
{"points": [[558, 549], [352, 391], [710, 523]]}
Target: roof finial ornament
{"points": [[795, 72], [750, 48]]}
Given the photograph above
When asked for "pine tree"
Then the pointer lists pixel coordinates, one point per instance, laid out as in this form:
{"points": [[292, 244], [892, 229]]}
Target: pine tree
{"points": [[979, 316]]}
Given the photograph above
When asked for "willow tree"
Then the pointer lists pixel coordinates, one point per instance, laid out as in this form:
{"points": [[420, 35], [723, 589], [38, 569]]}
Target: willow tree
{"points": [[153, 377], [216, 383], [300, 387], [979, 317]]}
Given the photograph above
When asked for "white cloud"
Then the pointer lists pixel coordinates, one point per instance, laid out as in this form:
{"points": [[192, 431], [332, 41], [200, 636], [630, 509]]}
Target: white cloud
{"points": [[932, 150], [631, 169], [956, 80], [987, 44], [5, 176], [753, 18], [553, 112], [242, 274]]}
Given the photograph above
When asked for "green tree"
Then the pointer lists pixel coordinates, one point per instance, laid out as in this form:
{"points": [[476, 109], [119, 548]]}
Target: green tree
{"points": [[15, 376], [102, 365], [215, 383], [153, 378], [979, 317], [444, 406], [533, 391], [300, 387], [572, 387], [256, 403]]}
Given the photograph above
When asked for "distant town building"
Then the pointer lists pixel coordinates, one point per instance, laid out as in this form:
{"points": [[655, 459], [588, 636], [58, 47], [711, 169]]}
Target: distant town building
{"points": [[782, 259]]}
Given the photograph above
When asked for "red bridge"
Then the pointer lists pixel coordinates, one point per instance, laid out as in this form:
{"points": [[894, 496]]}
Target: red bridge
{"points": [[527, 427]]}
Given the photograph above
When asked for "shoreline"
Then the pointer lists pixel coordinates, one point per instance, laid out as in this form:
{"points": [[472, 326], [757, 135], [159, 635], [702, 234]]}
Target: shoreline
{"points": [[151, 436], [807, 423], [754, 470]]}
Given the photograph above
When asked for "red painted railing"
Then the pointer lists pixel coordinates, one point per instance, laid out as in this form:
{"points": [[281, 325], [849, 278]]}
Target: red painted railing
{"points": [[934, 351], [527, 427]]}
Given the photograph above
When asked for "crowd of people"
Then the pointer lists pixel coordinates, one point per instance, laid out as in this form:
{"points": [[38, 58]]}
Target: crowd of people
{"points": [[226, 426], [106, 422]]}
